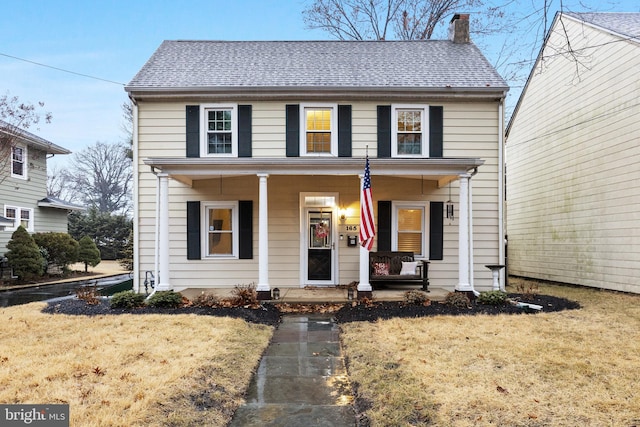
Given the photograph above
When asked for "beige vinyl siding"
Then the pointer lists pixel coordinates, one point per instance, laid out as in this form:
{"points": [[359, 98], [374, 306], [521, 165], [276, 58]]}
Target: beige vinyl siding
{"points": [[471, 130], [573, 177]]}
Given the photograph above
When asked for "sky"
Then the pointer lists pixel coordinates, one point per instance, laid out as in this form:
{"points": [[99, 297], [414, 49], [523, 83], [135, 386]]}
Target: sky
{"points": [[102, 44]]}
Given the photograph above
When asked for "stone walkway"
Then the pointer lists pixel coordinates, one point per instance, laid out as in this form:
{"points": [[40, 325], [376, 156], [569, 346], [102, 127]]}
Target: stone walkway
{"points": [[301, 380]]}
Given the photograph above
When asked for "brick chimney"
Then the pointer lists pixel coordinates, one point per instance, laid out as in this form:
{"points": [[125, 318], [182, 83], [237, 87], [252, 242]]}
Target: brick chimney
{"points": [[459, 28]]}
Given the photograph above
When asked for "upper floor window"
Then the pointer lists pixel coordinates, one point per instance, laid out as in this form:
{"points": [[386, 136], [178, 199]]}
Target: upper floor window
{"points": [[320, 136], [20, 217], [221, 229], [220, 130], [19, 161], [410, 125]]}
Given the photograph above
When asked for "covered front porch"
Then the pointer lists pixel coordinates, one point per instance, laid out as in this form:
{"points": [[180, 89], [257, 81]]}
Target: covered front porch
{"points": [[428, 179]]}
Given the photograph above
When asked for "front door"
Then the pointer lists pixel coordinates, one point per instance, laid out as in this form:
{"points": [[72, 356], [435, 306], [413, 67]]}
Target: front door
{"points": [[320, 246]]}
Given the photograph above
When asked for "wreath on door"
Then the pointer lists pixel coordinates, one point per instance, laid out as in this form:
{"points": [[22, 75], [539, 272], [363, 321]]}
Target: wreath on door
{"points": [[321, 230]]}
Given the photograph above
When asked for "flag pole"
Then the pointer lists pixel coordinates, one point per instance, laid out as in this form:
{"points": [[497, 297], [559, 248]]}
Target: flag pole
{"points": [[367, 229]]}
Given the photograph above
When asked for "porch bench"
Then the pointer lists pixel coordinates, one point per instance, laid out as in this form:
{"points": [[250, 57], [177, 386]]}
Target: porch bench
{"points": [[386, 267]]}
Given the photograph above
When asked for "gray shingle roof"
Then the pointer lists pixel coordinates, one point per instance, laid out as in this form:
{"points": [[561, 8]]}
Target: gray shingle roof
{"points": [[31, 139], [625, 24], [316, 64]]}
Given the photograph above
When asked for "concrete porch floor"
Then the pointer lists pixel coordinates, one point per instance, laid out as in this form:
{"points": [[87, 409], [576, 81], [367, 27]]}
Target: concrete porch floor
{"points": [[320, 295]]}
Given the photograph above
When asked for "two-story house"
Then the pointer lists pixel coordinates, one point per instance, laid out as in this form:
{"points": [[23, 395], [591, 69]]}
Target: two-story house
{"points": [[250, 156], [23, 185], [573, 146]]}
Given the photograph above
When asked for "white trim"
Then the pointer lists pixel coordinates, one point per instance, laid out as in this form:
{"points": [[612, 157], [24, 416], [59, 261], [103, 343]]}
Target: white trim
{"points": [[25, 162], [424, 132], [204, 108], [334, 129], [235, 239], [424, 205], [304, 241], [18, 219]]}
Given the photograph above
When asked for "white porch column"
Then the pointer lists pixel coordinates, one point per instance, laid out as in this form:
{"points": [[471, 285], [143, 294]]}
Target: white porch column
{"points": [[263, 237], [464, 237], [162, 281], [363, 284]]}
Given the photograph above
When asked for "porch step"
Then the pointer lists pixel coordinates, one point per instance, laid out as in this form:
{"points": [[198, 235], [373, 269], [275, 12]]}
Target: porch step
{"points": [[322, 295]]}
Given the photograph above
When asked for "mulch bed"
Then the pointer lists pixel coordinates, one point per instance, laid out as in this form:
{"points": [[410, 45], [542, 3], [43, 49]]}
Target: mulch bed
{"points": [[269, 314]]}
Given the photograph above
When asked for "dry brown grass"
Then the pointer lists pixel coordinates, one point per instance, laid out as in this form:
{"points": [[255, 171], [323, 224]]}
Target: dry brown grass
{"points": [[570, 368], [129, 370]]}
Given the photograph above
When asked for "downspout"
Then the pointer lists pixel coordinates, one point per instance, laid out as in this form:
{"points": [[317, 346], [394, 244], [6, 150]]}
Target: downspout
{"points": [[156, 252], [501, 195], [136, 216]]}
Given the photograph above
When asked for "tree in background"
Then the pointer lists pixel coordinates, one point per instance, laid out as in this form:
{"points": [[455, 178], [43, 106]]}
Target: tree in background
{"points": [[88, 253], [102, 177], [15, 117], [58, 249], [126, 261], [24, 255], [109, 232]]}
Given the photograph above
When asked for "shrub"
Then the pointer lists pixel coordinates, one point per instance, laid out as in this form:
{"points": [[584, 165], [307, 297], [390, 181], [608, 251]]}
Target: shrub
{"points": [[24, 255], [245, 295], [416, 297], [205, 300], [165, 299], [127, 299], [492, 298], [59, 249], [89, 294], [88, 253], [457, 299]]}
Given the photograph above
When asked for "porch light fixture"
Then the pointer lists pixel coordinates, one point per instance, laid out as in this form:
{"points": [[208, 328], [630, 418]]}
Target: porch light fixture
{"points": [[276, 293], [343, 213]]}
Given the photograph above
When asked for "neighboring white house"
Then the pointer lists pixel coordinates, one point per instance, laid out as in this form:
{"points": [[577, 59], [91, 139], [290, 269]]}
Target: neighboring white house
{"points": [[573, 156], [23, 186], [244, 150]]}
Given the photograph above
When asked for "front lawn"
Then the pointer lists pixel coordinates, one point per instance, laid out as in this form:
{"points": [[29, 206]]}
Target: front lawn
{"points": [[567, 368], [131, 370]]}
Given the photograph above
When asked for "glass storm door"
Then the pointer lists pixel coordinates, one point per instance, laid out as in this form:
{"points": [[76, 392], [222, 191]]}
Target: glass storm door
{"points": [[320, 245]]}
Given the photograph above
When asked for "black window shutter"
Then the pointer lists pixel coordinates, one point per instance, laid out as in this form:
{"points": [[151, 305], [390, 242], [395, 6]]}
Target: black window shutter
{"points": [[436, 230], [344, 130], [384, 131], [245, 215], [293, 130], [193, 230], [193, 131], [436, 125], [244, 130], [384, 225]]}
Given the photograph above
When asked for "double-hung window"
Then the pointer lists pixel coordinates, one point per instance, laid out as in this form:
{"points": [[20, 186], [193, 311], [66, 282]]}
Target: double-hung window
{"points": [[19, 161], [20, 217], [320, 125], [410, 131], [220, 229], [219, 130], [409, 228]]}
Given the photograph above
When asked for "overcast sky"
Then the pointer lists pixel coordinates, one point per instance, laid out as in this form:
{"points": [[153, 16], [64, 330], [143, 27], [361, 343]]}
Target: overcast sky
{"points": [[110, 40]]}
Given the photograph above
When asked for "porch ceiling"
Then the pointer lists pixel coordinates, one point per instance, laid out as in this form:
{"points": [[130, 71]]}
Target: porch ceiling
{"points": [[187, 170]]}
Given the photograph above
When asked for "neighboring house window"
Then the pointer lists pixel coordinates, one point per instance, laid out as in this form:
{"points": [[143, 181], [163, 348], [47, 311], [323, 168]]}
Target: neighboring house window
{"points": [[19, 216], [220, 130], [19, 162], [320, 136], [409, 232], [221, 229], [410, 131]]}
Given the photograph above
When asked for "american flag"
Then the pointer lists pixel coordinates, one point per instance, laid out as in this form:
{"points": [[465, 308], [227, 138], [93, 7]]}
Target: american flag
{"points": [[367, 226]]}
